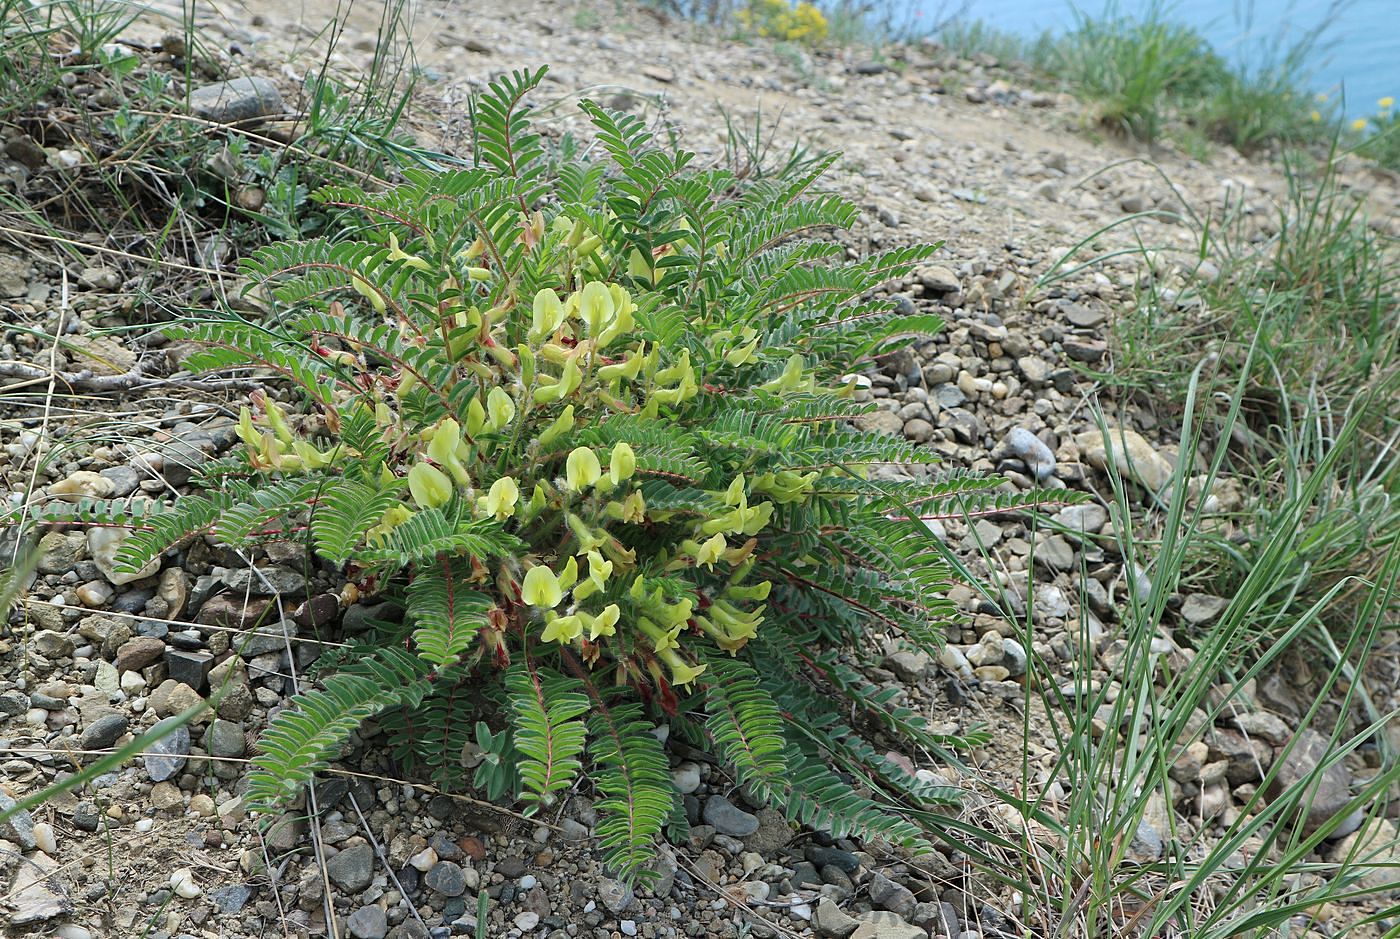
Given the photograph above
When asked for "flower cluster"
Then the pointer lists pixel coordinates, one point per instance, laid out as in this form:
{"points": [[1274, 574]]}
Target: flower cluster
{"points": [[513, 453], [779, 19]]}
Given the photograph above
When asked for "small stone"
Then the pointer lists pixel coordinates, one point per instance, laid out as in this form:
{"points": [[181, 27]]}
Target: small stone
{"points": [[225, 739], [908, 666], [189, 668], [446, 878], [1261, 725], [1133, 456], [60, 552], [659, 73], [137, 653], [83, 484], [95, 594], [1373, 851], [264, 581], [166, 756], [1032, 451], [18, 827], [938, 279], [526, 921], [1329, 790], [30, 898], [727, 819], [166, 797], [615, 895], [44, 839], [231, 899], [1088, 517], [103, 545], [103, 733], [368, 922], [882, 924], [352, 869], [1200, 609], [242, 99], [1054, 552], [53, 645], [889, 895], [686, 778], [1089, 351], [183, 883]]}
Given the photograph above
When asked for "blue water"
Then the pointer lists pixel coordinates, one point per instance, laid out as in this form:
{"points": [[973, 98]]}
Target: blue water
{"points": [[1359, 54]]}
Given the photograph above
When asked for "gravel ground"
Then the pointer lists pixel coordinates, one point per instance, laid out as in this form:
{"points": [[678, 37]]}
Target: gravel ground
{"points": [[933, 149]]}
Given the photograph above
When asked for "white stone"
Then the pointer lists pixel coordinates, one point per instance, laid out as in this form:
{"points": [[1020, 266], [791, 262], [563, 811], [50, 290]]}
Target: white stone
{"points": [[44, 839]]}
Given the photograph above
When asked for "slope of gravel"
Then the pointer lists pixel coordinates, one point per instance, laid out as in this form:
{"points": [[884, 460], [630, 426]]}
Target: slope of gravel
{"points": [[933, 149]]}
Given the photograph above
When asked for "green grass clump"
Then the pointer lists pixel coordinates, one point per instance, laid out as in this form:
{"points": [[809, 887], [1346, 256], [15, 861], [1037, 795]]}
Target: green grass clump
{"points": [[1380, 134]]}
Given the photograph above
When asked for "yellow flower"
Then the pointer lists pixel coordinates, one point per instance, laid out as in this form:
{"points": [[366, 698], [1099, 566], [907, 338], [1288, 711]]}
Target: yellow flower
{"points": [[502, 498], [541, 588], [1315, 116], [429, 486], [562, 629], [710, 551], [548, 315], [1321, 96], [1386, 102], [605, 623], [1359, 124], [582, 469], [623, 462], [500, 408]]}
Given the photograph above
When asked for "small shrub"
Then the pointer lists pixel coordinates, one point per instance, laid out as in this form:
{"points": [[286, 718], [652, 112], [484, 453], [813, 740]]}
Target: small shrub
{"points": [[589, 424], [779, 19]]}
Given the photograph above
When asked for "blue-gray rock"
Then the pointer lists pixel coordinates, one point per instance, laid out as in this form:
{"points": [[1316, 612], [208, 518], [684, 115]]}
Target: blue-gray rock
{"points": [[1032, 451], [352, 869], [447, 878], [19, 827], [167, 756], [242, 99], [231, 899], [103, 732], [728, 819], [368, 922]]}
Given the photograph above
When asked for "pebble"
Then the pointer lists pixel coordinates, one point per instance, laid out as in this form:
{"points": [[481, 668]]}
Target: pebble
{"points": [[103, 732], [686, 778], [44, 839], [526, 921], [368, 922], [728, 819], [1032, 451], [352, 869], [183, 883], [446, 878], [18, 826], [166, 756], [241, 99]]}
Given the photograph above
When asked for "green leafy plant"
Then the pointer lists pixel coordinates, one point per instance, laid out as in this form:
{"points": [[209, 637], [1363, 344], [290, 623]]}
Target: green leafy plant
{"points": [[591, 425]]}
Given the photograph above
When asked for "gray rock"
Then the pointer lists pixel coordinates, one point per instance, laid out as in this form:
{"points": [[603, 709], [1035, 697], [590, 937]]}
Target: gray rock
{"points": [[231, 899], [1374, 852], [189, 668], [908, 666], [13, 703], [1261, 725], [167, 756], [883, 924], [829, 922], [1088, 517], [241, 99], [225, 739], [59, 552], [368, 922], [1329, 792], [1146, 845], [352, 869], [19, 827], [446, 878], [728, 819], [103, 732], [889, 895], [278, 580], [1089, 351], [1034, 370], [31, 897], [938, 279], [1032, 451], [53, 645], [1200, 609], [1055, 553], [615, 895]]}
